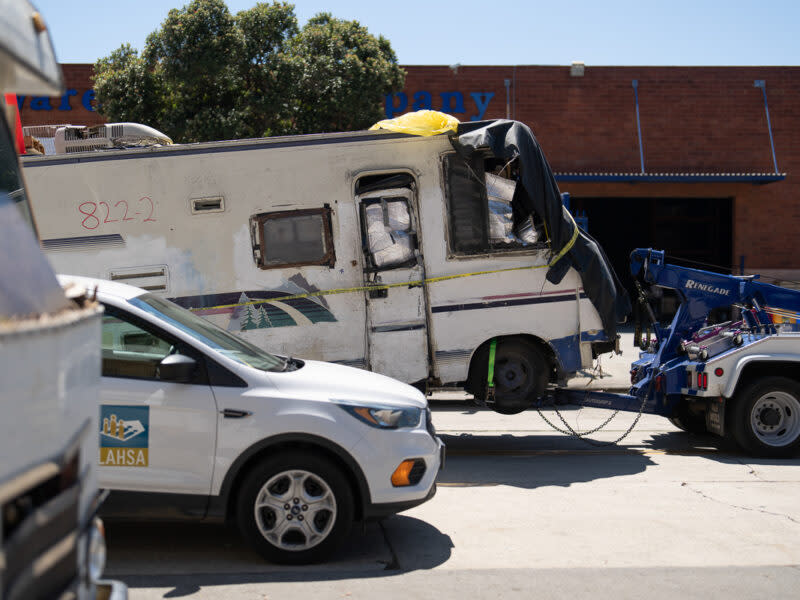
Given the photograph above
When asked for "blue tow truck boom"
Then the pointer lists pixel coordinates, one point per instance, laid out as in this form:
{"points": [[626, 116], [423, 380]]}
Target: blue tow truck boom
{"points": [[739, 379]]}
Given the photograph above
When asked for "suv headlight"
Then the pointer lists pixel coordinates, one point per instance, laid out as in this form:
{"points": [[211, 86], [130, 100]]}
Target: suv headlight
{"points": [[384, 417]]}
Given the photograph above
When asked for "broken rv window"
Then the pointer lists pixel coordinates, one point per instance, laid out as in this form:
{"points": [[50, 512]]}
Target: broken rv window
{"points": [[388, 236], [483, 212], [293, 238]]}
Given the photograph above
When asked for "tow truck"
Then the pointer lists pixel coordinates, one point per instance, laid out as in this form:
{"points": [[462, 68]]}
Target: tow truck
{"points": [[739, 379]]}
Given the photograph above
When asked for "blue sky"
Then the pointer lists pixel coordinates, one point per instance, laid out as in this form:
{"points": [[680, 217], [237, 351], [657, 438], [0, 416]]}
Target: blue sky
{"points": [[557, 32]]}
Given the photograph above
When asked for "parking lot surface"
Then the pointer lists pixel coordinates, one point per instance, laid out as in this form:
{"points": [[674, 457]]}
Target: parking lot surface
{"points": [[522, 511]]}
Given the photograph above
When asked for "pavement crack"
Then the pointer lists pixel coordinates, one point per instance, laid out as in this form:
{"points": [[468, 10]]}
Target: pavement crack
{"points": [[751, 470], [736, 506], [394, 562]]}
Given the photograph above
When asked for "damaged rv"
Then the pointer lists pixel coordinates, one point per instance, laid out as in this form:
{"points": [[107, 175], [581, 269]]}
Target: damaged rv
{"points": [[413, 256]]}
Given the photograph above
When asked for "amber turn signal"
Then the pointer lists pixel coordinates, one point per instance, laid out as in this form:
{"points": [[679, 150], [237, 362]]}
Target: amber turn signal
{"points": [[408, 472], [401, 473]]}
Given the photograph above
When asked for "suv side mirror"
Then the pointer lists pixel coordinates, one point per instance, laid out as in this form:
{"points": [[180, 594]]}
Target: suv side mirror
{"points": [[177, 368]]}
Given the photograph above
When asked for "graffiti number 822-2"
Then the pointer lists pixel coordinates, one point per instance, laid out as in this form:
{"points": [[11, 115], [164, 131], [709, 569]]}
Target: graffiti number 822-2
{"points": [[96, 214]]}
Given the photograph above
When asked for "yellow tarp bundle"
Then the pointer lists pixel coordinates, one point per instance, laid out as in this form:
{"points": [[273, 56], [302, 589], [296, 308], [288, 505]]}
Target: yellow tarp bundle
{"points": [[421, 122]]}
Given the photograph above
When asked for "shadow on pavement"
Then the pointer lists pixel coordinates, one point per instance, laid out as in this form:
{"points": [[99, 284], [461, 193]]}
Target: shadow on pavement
{"points": [[190, 556], [532, 461], [715, 448]]}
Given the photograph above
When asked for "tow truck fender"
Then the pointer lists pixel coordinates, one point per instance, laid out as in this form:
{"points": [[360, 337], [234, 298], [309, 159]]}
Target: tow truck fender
{"points": [[745, 361]]}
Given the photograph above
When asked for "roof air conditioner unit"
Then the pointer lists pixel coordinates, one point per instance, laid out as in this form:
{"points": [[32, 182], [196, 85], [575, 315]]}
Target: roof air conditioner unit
{"points": [[75, 138]]}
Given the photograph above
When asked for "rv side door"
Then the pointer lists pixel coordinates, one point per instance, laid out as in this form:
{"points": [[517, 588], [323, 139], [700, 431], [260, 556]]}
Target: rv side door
{"points": [[397, 330]]}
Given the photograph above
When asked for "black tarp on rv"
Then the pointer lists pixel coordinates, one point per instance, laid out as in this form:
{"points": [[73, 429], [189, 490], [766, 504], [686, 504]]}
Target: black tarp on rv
{"points": [[540, 195]]}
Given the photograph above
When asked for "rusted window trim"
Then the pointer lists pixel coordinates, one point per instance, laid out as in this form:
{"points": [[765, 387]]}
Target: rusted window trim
{"points": [[328, 260]]}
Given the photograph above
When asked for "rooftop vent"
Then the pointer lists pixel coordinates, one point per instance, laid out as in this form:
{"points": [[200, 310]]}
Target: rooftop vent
{"points": [[76, 138]]}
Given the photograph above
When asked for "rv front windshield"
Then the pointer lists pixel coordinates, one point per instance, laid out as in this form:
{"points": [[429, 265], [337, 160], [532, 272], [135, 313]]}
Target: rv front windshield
{"points": [[209, 334]]}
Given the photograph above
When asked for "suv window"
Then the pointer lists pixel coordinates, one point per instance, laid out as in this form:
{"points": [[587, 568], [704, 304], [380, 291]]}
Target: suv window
{"points": [[130, 351], [293, 238]]}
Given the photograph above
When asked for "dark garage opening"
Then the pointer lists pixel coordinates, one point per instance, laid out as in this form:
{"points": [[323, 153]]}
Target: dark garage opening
{"points": [[697, 230]]}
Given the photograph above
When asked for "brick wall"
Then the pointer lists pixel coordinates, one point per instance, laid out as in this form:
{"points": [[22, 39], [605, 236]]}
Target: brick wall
{"points": [[65, 109], [693, 119]]}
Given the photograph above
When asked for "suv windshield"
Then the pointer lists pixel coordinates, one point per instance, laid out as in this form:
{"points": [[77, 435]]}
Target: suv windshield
{"points": [[209, 334]]}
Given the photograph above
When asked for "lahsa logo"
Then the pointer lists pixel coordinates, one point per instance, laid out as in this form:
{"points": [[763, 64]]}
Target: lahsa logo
{"points": [[691, 284], [124, 436]]}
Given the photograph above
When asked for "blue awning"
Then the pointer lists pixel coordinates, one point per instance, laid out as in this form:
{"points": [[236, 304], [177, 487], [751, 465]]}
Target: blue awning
{"points": [[752, 178]]}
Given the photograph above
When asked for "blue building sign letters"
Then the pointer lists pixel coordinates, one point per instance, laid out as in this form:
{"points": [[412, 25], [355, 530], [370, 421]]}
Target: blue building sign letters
{"points": [[449, 102], [454, 103], [45, 103]]}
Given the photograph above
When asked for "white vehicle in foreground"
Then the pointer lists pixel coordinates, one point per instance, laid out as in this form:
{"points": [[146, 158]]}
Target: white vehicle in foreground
{"points": [[196, 422], [51, 543]]}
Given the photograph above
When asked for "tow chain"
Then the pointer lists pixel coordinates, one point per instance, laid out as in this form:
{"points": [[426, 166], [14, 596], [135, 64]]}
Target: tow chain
{"points": [[581, 435]]}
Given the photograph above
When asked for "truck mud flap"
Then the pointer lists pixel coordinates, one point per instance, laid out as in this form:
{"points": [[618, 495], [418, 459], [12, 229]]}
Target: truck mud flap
{"points": [[715, 416]]}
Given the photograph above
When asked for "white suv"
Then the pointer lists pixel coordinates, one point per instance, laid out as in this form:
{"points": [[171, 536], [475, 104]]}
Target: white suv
{"points": [[198, 423]]}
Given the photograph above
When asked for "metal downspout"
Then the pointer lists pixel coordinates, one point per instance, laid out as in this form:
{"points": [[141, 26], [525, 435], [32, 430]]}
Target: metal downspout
{"points": [[635, 84], [761, 83], [514, 97], [507, 83]]}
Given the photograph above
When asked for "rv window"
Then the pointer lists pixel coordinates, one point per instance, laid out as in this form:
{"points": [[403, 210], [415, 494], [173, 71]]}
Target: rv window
{"points": [[389, 238], [293, 238], [482, 214]]}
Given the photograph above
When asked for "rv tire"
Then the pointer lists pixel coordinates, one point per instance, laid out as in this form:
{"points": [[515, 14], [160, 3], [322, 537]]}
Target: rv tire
{"points": [[520, 375]]}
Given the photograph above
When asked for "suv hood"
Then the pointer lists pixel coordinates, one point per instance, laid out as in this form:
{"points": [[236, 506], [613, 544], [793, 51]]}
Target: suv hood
{"points": [[338, 382]]}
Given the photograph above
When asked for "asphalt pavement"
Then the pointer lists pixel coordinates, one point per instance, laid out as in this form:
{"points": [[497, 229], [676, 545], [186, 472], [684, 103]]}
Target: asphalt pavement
{"points": [[525, 512]]}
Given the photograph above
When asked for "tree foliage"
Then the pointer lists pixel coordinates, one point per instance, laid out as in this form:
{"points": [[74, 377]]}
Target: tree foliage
{"points": [[206, 74], [343, 73]]}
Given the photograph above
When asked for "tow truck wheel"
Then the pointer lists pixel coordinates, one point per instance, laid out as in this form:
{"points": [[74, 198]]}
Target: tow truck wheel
{"points": [[520, 375], [766, 417], [688, 421], [295, 508]]}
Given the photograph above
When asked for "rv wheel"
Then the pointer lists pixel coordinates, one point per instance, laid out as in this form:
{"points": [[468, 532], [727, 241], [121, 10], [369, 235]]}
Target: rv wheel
{"points": [[520, 375], [295, 508]]}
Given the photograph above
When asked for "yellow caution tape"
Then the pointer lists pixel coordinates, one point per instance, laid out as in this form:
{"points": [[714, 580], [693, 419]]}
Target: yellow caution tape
{"points": [[569, 244], [364, 288]]}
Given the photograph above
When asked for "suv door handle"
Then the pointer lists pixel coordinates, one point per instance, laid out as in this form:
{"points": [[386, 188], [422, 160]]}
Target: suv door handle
{"points": [[234, 413]]}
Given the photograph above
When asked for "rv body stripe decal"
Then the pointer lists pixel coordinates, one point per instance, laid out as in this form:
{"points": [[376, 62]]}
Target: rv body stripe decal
{"points": [[527, 295], [505, 303]]}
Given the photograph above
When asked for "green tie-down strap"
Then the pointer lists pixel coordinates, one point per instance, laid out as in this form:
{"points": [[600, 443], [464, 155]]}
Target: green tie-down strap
{"points": [[490, 374]]}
